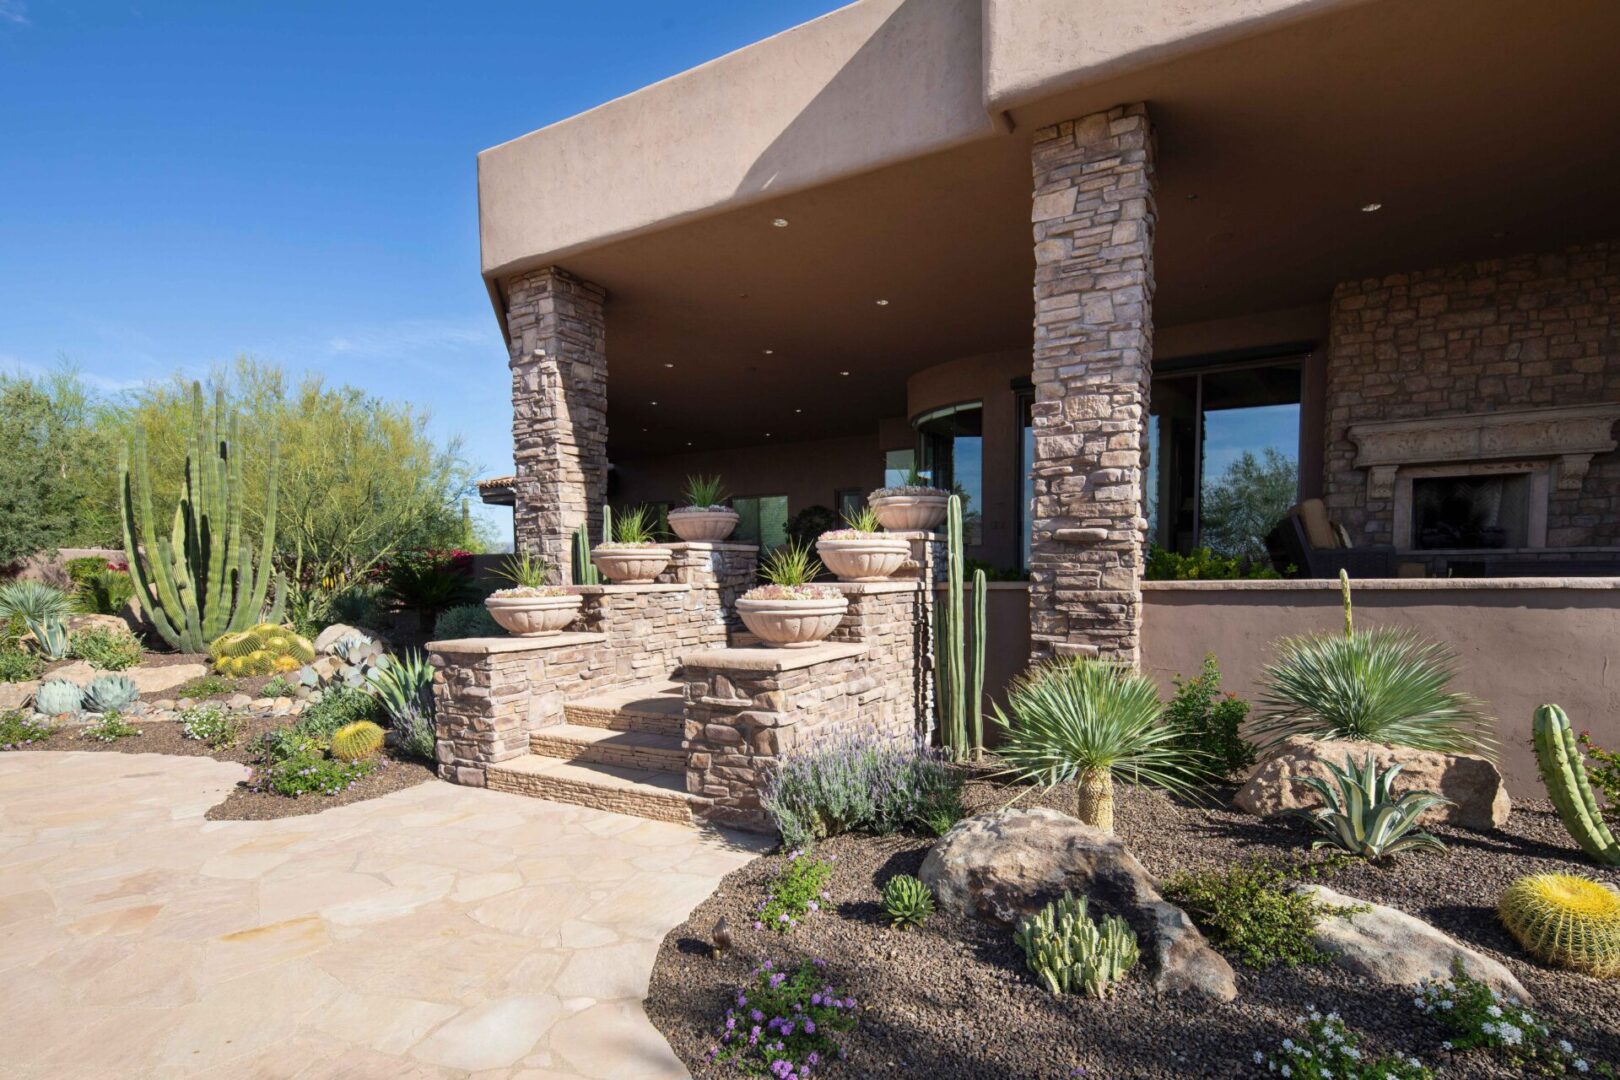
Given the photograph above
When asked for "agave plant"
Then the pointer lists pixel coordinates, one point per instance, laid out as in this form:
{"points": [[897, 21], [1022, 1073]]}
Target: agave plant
{"points": [[33, 601], [404, 686], [52, 637], [863, 520], [1082, 721], [1385, 686], [1360, 813]]}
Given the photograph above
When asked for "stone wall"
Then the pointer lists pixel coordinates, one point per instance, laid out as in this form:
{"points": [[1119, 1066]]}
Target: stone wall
{"points": [[556, 329], [1510, 333], [648, 628], [1093, 215], [728, 568]]}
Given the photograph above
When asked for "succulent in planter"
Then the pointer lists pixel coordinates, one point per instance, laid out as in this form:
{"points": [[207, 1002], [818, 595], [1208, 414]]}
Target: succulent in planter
{"points": [[633, 556], [915, 506], [862, 551], [704, 518], [790, 610], [531, 606]]}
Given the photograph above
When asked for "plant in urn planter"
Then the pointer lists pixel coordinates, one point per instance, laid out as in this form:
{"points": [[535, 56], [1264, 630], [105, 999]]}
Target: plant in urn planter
{"points": [[704, 519], [531, 607], [914, 506], [790, 612], [632, 557], [862, 552]]}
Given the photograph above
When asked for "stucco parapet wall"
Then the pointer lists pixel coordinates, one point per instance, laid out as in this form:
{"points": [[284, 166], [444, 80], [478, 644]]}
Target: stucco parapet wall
{"points": [[1427, 585], [490, 646], [770, 660]]}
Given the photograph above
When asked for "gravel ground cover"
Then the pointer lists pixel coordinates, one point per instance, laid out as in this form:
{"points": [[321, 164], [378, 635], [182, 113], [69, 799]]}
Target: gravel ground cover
{"points": [[953, 999]]}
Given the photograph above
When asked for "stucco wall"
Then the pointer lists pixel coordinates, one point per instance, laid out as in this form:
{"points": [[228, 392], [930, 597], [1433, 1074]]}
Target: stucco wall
{"points": [[1520, 643]]}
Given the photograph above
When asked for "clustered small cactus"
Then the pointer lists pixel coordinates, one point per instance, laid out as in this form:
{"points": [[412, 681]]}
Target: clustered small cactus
{"points": [[1070, 951], [1565, 920], [264, 649], [907, 903]]}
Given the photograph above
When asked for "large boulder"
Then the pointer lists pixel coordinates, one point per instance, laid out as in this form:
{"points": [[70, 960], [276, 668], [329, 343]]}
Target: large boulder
{"points": [[1004, 865], [1474, 785], [1389, 947], [332, 634]]}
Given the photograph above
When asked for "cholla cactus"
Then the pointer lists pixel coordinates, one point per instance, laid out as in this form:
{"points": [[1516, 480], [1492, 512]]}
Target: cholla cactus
{"points": [[907, 902], [1069, 951], [109, 693], [1565, 920]]}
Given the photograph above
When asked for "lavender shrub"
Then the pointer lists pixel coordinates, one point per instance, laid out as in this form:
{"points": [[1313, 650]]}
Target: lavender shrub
{"points": [[862, 784]]}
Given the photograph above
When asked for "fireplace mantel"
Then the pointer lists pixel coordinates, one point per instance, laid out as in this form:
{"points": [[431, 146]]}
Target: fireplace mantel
{"points": [[1571, 435]]}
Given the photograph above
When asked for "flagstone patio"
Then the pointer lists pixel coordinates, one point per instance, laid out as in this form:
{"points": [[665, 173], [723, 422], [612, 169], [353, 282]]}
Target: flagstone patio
{"points": [[438, 931]]}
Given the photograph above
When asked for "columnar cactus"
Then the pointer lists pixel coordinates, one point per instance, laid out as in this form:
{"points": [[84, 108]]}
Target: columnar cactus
{"points": [[585, 571], [961, 689], [199, 581], [1565, 920], [1558, 755]]}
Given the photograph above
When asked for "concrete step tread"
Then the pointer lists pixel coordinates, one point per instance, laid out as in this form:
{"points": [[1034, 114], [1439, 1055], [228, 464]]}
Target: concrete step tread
{"points": [[664, 698], [596, 736], [654, 782]]}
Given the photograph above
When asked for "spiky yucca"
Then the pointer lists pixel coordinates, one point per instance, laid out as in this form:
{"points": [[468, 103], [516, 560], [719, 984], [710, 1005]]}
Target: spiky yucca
{"points": [[1565, 920], [361, 739]]}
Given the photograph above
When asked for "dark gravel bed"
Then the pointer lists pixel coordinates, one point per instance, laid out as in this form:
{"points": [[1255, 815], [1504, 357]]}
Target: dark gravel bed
{"points": [[954, 1000], [164, 737]]}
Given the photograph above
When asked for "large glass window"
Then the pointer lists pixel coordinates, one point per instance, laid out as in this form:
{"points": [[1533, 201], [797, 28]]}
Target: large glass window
{"points": [[1223, 456], [762, 520], [952, 443], [897, 467]]}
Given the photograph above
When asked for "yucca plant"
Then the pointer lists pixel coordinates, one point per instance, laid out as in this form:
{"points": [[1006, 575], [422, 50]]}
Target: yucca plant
{"points": [[704, 491], [1081, 721], [34, 601], [526, 570], [1385, 686], [790, 565], [1361, 814]]}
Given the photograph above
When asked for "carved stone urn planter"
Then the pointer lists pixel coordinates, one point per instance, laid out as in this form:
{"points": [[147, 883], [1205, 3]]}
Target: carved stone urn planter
{"points": [[909, 509], [631, 564], [857, 556], [792, 617], [703, 524], [533, 612]]}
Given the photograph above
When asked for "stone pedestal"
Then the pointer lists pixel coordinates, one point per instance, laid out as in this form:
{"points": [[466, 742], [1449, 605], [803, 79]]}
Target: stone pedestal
{"points": [[1093, 216]]}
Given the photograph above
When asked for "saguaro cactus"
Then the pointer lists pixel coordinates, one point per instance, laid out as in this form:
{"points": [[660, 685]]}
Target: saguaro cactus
{"points": [[958, 692], [199, 581], [1564, 773]]}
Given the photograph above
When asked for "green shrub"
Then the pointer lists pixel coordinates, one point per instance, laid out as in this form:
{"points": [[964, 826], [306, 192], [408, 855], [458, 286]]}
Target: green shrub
{"points": [[907, 903], [19, 666], [339, 705], [207, 686], [109, 727], [99, 588], [797, 891], [309, 773], [466, 621], [278, 686], [1252, 911], [862, 784], [1208, 724], [209, 724], [19, 729], [1203, 565], [108, 650], [785, 1023], [1479, 1019], [1603, 773], [1070, 951]]}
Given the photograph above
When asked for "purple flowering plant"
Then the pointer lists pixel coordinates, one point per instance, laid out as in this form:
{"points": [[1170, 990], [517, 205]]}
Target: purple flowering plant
{"points": [[785, 1023], [798, 890]]}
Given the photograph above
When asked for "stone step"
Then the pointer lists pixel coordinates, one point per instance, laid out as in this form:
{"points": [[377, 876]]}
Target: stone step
{"points": [[656, 708], [609, 746], [648, 793]]}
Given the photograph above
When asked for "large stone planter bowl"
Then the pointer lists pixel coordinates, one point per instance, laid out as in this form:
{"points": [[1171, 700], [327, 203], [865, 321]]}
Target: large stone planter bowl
{"points": [[792, 624], [863, 560], [534, 616], [910, 513], [631, 565], [702, 526]]}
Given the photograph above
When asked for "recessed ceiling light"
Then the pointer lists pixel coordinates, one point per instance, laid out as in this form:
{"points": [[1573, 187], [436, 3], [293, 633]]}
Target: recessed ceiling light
{"points": [[780, 223], [767, 434], [643, 429], [669, 365], [843, 373], [688, 444], [652, 402], [1372, 207], [769, 351], [798, 410], [882, 303]]}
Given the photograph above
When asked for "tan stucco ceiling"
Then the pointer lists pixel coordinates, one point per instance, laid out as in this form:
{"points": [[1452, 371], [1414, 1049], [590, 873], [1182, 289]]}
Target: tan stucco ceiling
{"points": [[1482, 126]]}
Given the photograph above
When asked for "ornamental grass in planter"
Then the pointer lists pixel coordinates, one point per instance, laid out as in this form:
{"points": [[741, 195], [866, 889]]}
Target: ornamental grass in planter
{"points": [[531, 607], [863, 551], [705, 518], [790, 612], [632, 557], [914, 506]]}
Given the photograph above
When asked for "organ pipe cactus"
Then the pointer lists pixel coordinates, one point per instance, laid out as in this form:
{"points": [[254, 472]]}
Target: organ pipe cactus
{"points": [[199, 581], [961, 690], [1563, 771]]}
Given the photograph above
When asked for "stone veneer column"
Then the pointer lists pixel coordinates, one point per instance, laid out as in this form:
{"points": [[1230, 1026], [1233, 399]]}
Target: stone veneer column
{"points": [[1093, 215], [559, 408]]}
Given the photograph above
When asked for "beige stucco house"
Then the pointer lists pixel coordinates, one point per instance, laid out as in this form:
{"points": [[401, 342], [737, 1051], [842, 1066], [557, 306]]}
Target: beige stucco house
{"points": [[1081, 260]]}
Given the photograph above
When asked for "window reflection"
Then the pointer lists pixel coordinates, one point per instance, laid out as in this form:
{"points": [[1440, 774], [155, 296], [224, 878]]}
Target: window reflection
{"points": [[952, 441]]}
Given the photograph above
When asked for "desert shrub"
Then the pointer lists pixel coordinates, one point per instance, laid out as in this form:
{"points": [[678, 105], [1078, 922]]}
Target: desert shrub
{"points": [[205, 687], [107, 650], [1208, 724], [1327, 1049], [428, 582], [100, 586], [862, 784], [109, 727], [785, 1023], [339, 705], [209, 724], [466, 621], [1252, 911], [1203, 565], [19, 666], [308, 772], [1603, 773], [20, 729], [1479, 1018], [797, 891]]}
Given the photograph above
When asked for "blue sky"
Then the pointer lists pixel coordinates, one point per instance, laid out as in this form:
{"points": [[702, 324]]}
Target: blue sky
{"points": [[186, 182]]}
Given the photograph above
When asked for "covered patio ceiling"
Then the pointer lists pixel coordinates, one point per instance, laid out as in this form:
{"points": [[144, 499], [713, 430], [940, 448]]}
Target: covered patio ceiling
{"points": [[1482, 127]]}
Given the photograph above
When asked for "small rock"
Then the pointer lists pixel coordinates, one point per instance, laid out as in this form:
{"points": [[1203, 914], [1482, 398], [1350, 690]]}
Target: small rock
{"points": [[165, 704], [1391, 948], [323, 640], [281, 706], [238, 702], [1474, 785]]}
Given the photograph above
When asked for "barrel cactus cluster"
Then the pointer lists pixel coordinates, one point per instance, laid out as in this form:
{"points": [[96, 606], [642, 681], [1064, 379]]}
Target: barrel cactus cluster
{"points": [[264, 649], [1565, 920]]}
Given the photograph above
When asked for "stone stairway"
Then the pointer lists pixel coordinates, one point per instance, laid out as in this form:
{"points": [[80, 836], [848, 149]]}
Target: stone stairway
{"points": [[619, 750]]}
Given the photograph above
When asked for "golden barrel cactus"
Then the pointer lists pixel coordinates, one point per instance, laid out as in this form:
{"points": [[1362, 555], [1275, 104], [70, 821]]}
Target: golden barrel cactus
{"points": [[1565, 920], [355, 741]]}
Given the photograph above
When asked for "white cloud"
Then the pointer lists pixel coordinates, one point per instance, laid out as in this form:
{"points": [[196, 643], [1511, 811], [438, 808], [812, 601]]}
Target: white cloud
{"points": [[14, 11], [415, 337]]}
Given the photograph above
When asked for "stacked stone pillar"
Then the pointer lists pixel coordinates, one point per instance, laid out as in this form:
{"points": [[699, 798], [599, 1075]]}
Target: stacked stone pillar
{"points": [[1093, 216], [555, 324]]}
